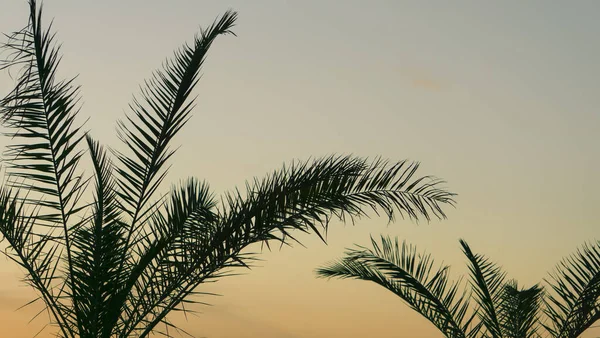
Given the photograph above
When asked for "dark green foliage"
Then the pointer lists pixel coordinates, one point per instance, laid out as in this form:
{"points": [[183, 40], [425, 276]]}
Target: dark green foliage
{"points": [[411, 276], [576, 282], [118, 265], [487, 281], [520, 310], [491, 307]]}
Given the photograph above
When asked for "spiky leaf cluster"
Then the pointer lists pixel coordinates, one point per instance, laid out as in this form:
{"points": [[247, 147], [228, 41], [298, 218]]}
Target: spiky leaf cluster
{"points": [[489, 306], [118, 263]]}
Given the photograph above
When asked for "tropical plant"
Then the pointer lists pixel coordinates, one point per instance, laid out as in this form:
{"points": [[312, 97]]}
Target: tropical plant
{"points": [[116, 266], [491, 306]]}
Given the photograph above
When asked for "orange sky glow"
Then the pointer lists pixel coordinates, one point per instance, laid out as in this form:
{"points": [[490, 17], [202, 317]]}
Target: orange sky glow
{"points": [[500, 99]]}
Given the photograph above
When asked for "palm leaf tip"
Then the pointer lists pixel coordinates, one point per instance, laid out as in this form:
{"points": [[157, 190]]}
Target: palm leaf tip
{"points": [[160, 111]]}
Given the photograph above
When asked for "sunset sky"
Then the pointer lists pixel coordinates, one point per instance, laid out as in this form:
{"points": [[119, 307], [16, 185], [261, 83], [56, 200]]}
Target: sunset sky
{"points": [[500, 99]]}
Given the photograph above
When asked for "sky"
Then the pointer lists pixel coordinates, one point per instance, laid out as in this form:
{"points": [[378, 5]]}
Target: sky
{"points": [[500, 99]]}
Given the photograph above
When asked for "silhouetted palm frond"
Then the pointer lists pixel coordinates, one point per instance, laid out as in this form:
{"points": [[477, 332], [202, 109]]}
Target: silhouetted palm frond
{"points": [[163, 109], [498, 308], [487, 281], [519, 311], [99, 245], [413, 277], [575, 306], [301, 197], [41, 112], [167, 258], [37, 255]]}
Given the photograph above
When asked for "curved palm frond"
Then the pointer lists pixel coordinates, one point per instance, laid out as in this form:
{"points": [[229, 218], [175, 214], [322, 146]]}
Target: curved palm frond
{"points": [[41, 113], [305, 196], [301, 197], [519, 310], [411, 276], [162, 110], [487, 280], [41, 110], [576, 282], [502, 309]]}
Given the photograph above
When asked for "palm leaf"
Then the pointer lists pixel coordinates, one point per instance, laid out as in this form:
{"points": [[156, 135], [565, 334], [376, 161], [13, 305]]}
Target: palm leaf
{"points": [[304, 197], [99, 244], [162, 110], [41, 112], [487, 281], [411, 276], [167, 252], [36, 254], [519, 311], [574, 306]]}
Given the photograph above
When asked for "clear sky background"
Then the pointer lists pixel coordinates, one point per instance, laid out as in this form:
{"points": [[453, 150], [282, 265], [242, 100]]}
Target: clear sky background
{"points": [[501, 99]]}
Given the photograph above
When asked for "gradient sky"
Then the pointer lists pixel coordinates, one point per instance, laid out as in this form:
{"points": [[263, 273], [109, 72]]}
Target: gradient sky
{"points": [[498, 98]]}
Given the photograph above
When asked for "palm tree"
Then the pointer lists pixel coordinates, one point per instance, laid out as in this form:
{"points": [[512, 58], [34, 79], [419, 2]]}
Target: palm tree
{"points": [[492, 306], [116, 266]]}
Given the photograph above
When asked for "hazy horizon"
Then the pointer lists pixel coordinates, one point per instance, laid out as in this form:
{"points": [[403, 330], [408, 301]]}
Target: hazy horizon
{"points": [[498, 99]]}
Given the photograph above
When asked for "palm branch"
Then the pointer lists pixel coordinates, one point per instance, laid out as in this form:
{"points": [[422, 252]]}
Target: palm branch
{"points": [[118, 265], [498, 308], [487, 280], [40, 112], [574, 304], [520, 310], [413, 277]]}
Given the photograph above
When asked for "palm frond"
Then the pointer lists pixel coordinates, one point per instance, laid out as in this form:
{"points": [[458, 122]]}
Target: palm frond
{"points": [[487, 280], [519, 311], [413, 277], [41, 113], [304, 197], [166, 253], [36, 254], [99, 245], [306, 194], [574, 306], [162, 110]]}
